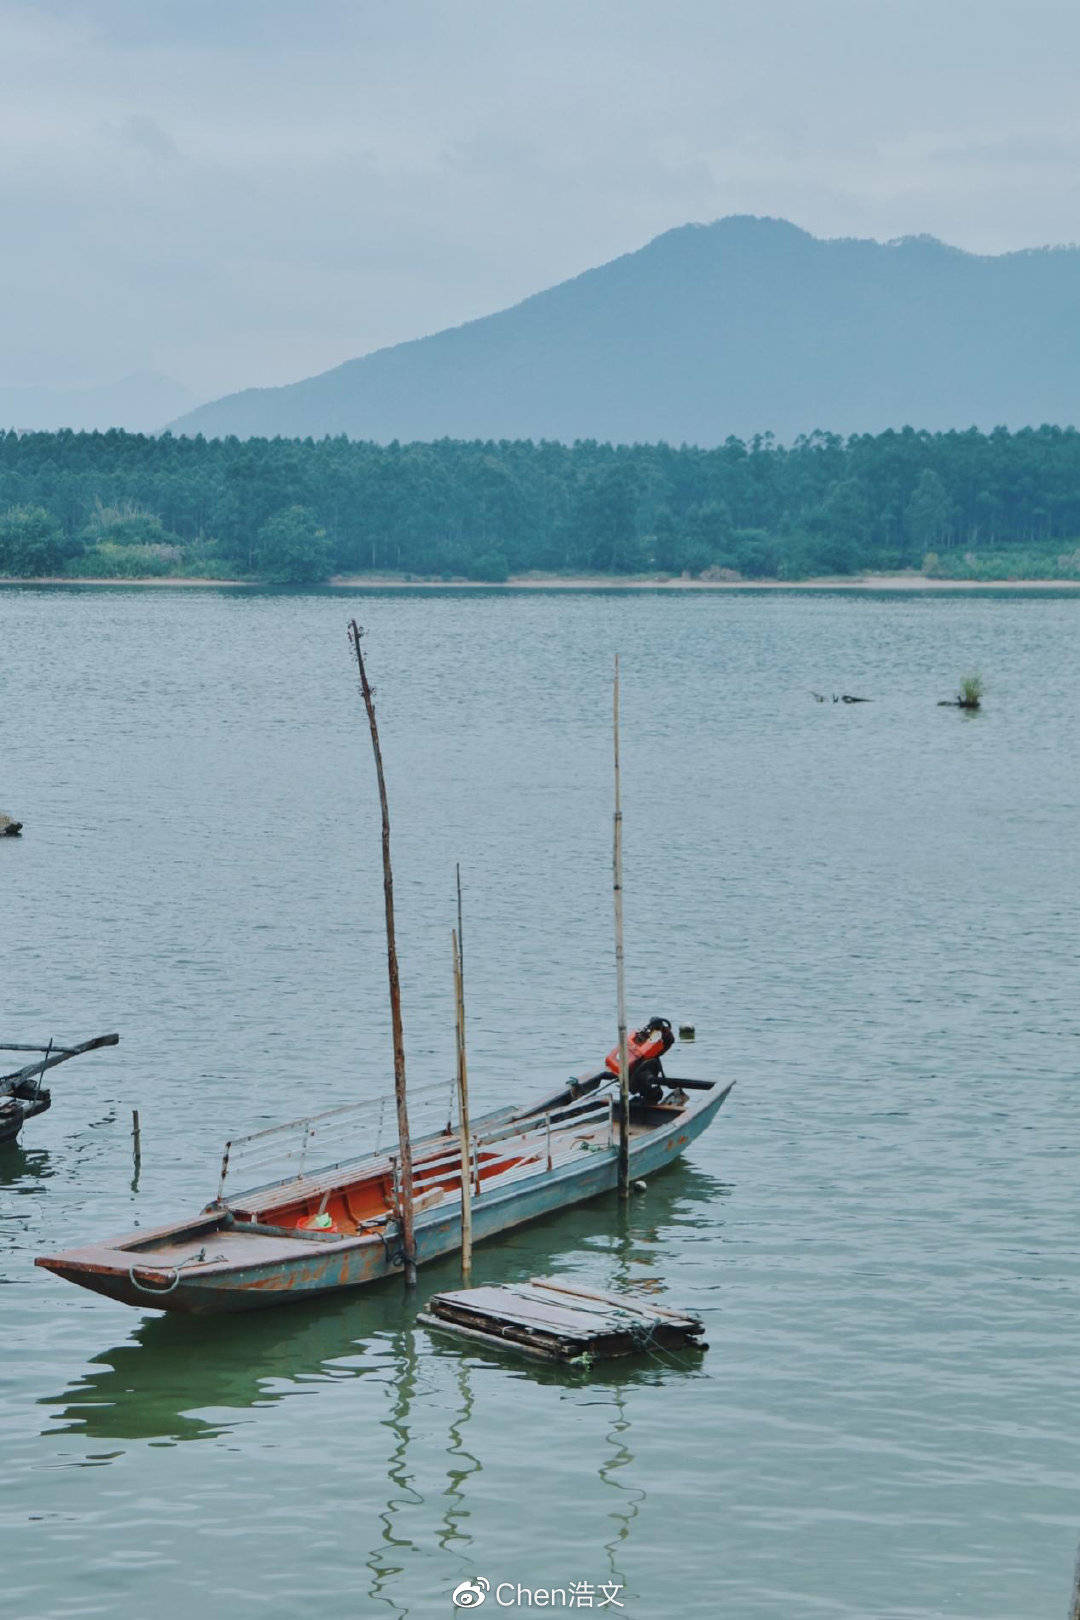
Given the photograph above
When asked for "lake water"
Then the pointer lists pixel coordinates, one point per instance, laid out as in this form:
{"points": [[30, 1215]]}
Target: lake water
{"points": [[870, 913]]}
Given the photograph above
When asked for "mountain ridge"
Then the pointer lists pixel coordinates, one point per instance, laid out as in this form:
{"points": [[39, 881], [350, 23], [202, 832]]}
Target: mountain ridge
{"points": [[744, 326]]}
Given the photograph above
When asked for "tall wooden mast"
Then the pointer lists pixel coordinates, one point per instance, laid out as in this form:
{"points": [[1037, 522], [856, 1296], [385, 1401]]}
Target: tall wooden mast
{"points": [[620, 978], [463, 1093], [405, 1187]]}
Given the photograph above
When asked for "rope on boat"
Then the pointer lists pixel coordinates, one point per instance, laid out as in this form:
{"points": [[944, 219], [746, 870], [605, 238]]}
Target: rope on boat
{"points": [[145, 1288], [192, 1260], [641, 1333]]}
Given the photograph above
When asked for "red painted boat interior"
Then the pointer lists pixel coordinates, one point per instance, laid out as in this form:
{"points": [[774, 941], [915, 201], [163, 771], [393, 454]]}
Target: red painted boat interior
{"points": [[369, 1200]]}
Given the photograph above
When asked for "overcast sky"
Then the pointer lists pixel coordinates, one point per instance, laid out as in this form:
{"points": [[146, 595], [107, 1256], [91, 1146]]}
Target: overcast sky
{"points": [[246, 192]]}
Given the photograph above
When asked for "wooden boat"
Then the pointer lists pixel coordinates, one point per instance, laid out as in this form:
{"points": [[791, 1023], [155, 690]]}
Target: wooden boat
{"points": [[22, 1095], [339, 1227]]}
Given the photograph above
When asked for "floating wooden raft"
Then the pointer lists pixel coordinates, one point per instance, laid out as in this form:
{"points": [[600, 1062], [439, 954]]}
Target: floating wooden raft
{"points": [[553, 1319]]}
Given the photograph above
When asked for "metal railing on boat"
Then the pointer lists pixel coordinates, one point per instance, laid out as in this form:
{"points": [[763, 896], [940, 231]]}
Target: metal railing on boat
{"points": [[539, 1140], [357, 1131], [366, 1130]]}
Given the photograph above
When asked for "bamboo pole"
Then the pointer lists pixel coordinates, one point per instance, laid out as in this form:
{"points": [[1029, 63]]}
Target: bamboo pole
{"points": [[408, 1235], [44, 1066], [463, 1104], [620, 977], [460, 927], [475, 1184]]}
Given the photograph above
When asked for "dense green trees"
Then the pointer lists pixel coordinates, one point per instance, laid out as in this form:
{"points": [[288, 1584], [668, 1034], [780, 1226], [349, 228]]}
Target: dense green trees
{"points": [[32, 542], [297, 511], [929, 513], [291, 549]]}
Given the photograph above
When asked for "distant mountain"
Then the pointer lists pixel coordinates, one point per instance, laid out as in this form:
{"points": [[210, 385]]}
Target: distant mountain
{"points": [[744, 326], [141, 403]]}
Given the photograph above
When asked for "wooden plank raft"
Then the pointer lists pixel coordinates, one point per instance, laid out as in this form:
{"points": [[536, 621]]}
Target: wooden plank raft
{"points": [[555, 1319]]}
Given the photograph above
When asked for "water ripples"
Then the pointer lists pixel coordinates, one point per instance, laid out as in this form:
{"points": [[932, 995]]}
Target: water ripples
{"points": [[870, 913]]}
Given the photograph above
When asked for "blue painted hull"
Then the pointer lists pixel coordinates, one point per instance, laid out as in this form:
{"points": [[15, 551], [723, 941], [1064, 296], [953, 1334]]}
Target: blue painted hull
{"points": [[301, 1270]]}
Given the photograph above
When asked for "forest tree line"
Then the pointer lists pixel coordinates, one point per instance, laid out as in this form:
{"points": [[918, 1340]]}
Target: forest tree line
{"points": [[1000, 504]]}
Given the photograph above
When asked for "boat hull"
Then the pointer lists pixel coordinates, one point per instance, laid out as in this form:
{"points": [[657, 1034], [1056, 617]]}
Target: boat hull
{"points": [[15, 1111], [296, 1270]]}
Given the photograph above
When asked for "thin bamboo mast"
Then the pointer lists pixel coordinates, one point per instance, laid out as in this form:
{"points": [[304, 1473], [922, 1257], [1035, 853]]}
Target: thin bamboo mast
{"points": [[620, 978], [460, 927], [463, 1114], [408, 1236], [463, 1093]]}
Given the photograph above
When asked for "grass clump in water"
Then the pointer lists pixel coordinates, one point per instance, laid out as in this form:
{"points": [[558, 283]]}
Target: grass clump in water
{"points": [[971, 691]]}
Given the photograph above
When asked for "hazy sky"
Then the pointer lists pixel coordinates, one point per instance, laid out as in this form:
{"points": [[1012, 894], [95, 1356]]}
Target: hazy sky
{"points": [[246, 191]]}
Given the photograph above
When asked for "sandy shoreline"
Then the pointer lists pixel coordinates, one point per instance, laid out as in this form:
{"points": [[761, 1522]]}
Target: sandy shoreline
{"points": [[556, 582], [848, 582]]}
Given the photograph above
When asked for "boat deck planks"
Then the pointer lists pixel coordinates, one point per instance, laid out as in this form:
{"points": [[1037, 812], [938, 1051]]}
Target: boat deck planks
{"points": [[556, 1319]]}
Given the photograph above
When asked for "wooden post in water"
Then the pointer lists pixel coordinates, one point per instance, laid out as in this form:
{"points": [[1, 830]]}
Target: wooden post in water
{"points": [[408, 1235], [136, 1149], [620, 978], [463, 1107]]}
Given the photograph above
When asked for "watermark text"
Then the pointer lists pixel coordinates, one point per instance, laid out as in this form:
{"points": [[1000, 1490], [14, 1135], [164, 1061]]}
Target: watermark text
{"points": [[512, 1595]]}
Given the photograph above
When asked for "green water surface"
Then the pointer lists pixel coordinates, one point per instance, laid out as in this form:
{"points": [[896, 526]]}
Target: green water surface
{"points": [[869, 912]]}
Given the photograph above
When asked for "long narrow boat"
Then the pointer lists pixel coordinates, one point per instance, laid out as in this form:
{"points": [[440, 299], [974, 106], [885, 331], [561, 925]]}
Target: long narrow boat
{"points": [[339, 1227]]}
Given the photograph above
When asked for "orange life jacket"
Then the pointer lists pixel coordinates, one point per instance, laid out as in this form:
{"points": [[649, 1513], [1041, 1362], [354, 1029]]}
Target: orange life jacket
{"points": [[642, 1045]]}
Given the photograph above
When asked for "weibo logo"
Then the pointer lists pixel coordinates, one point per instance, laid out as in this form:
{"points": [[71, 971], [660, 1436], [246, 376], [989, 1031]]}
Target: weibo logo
{"points": [[470, 1594]]}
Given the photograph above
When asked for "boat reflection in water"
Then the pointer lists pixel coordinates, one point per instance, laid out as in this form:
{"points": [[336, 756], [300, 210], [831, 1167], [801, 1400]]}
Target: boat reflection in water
{"points": [[22, 1168], [158, 1381], [24, 1177]]}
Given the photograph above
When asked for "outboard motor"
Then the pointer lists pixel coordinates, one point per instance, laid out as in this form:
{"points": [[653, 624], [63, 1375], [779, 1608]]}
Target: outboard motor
{"points": [[645, 1049]]}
